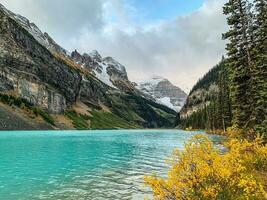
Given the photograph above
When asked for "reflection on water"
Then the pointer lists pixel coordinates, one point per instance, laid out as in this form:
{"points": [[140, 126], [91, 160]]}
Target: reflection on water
{"points": [[83, 165]]}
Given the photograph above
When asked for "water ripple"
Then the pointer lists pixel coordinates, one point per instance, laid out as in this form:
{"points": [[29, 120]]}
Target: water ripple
{"points": [[83, 165]]}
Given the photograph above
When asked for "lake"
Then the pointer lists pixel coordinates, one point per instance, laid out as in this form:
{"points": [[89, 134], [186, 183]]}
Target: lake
{"points": [[84, 164]]}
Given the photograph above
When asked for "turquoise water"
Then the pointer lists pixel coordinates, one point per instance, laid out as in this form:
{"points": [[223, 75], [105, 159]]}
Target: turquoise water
{"points": [[83, 164]]}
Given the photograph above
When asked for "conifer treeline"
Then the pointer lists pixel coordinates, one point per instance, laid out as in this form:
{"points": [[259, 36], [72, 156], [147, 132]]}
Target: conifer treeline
{"points": [[216, 113], [242, 97]]}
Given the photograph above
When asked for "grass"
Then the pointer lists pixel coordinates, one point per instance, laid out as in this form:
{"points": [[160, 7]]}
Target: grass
{"points": [[164, 114], [79, 121], [48, 118], [105, 120], [98, 120]]}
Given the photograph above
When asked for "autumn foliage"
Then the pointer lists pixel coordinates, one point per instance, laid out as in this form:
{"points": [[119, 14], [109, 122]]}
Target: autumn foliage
{"points": [[204, 171]]}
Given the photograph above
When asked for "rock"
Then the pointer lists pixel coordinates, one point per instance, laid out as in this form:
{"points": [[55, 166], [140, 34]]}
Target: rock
{"points": [[30, 88], [107, 70]]}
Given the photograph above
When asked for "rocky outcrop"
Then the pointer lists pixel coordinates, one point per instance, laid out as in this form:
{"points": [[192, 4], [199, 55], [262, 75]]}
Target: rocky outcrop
{"points": [[29, 87], [115, 70], [23, 58], [205, 90], [164, 92], [93, 93], [197, 100]]}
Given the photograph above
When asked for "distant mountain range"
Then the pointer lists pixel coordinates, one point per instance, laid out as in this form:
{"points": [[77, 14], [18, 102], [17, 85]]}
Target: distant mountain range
{"points": [[164, 92], [42, 83]]}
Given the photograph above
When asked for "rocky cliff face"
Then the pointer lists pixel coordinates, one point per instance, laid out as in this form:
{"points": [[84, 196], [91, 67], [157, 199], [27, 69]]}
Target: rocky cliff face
{"points": [[32, 71], [164, 92], [33, 67], [29, 87], [205, 90], [197, 100]]}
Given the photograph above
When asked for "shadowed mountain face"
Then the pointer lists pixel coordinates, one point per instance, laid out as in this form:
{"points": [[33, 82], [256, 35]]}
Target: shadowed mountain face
{"points": [[36, 69], [164, 92]]}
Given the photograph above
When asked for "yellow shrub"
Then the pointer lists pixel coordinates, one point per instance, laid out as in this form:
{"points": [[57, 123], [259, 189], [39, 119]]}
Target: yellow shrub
{"points": [[201, 171]]}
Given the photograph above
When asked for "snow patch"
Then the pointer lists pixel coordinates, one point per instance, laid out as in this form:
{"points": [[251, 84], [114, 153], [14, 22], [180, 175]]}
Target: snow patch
{"points": [[167, 102], [103, 75], [150, 84], [150, 87], [114, 63]]}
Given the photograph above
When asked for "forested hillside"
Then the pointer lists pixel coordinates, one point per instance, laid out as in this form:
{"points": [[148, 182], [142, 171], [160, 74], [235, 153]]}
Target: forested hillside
{"points": [[234, 93], [208, 105]]}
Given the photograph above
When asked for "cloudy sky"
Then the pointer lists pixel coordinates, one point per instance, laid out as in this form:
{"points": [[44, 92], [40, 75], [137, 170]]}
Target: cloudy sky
{"points": [[176, 39]]}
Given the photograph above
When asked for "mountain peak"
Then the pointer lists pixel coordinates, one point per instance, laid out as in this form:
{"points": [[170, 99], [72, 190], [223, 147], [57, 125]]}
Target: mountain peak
{"points": [[42, 38], [2, 7], [115, 64], [95, 55], [164, 92]]}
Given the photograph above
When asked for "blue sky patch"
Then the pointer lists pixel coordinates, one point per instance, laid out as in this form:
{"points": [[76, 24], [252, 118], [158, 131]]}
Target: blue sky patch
{"points": [[164, 9]]}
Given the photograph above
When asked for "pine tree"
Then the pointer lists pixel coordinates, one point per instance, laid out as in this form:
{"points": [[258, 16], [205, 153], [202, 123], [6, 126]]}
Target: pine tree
{"points": [[243, 101], [260, 70], [225, 111], [239, 61]]}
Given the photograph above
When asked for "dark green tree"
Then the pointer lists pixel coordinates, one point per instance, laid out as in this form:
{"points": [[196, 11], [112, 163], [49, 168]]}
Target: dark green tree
{"points": [[260, 69], [239, 59], [241, 99], [215, 112], [225, 110]]}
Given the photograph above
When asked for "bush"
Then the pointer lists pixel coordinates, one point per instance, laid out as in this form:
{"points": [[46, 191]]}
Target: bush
{"points": [[23, 103], [48, 118], [201, 171], [16, 101]]}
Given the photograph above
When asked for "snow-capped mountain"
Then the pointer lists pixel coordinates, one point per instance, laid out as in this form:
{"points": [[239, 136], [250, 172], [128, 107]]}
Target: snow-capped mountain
{"points": [[164, 92], [106, 69]]}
